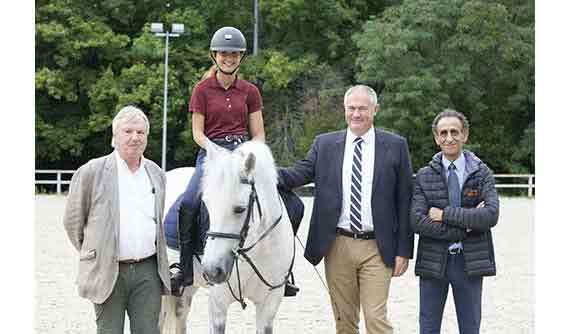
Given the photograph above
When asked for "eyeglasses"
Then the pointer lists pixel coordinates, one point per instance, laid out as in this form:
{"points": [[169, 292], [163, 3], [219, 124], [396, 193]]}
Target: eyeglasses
{"points": [[454, 133]]}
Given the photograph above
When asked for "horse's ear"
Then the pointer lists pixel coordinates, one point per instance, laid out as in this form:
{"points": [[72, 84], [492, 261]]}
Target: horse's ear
{"points": [[249, 163]]}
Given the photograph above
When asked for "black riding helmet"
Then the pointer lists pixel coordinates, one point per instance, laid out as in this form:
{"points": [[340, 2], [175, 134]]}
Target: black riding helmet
{"points": [[228, 39]]}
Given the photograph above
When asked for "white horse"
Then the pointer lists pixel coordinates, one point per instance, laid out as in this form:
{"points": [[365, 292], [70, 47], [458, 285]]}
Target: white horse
{"points": [[250, 248]]}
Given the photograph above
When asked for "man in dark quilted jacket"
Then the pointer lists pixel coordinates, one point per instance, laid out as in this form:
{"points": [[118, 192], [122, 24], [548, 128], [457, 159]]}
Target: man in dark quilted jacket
{"points": [[455, 205]]}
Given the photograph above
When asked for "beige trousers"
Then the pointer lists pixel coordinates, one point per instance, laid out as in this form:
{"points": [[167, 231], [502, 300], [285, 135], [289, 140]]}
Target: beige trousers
{"points": [[356, 275]]}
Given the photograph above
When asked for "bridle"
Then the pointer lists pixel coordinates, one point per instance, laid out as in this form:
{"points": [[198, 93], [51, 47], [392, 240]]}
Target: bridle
{"points": [[240, 251]]}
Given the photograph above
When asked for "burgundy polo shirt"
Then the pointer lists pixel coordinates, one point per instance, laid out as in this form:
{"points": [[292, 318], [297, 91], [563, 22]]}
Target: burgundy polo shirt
{"points": [[225, 111]]}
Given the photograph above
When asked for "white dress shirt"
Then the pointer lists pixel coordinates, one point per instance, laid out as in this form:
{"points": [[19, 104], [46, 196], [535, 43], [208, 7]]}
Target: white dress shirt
{"points": [[368, 147], [137, 231]]}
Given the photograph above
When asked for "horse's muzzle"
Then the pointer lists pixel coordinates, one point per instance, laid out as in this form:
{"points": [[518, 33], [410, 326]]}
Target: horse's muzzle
{"points": [[215, 275]]}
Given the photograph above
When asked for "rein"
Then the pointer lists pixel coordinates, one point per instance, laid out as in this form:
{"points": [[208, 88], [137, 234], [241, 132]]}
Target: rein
{"points": [[241, 251]]}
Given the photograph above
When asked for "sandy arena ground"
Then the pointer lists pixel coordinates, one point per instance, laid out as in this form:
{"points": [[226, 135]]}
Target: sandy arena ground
{"points": [[508, 298]]}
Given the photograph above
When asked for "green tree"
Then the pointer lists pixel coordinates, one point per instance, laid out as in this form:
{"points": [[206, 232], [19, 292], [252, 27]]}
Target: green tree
{"points": [[474, 56], [92, 58], [306, 63]]}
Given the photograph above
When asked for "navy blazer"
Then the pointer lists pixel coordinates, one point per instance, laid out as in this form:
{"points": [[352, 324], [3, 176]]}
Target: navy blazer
{"points": [[391, 193]]}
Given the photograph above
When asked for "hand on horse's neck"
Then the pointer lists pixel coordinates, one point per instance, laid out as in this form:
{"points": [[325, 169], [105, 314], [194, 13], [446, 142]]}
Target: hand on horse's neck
{"points": [[225, 80]]}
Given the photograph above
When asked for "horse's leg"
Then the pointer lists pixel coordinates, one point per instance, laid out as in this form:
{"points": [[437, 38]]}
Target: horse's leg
{"points": [[218, 304], [265, 312], [175, 311], [167, 319], [183, 308]]}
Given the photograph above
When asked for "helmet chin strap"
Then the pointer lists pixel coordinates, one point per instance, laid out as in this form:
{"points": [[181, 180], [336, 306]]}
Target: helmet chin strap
{"points": [[227, 73]]}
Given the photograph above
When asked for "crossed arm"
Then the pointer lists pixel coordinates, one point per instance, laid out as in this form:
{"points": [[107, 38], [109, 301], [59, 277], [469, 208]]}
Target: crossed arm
{"points": [[479, 219], [424, 221], [453, 223]]}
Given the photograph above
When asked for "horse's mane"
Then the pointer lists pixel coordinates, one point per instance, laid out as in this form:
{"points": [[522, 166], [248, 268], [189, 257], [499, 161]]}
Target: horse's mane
{"points": [[223, 173]]}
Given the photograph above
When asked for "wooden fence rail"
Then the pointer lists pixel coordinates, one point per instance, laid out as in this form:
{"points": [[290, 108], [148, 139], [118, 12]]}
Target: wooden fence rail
{"points": [[528, 180], [58, 180]]}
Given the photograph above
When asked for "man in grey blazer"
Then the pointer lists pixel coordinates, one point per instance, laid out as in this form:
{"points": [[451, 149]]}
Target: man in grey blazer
{"points": [[113, 217], [360, 219]]}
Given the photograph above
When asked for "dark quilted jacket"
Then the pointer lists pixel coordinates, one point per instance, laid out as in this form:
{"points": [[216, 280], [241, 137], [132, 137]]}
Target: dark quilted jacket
{"points": [[430, 190]]}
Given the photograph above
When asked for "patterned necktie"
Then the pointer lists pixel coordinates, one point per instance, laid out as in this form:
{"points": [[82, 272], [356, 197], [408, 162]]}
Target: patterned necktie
{"points": [[453, 187], [356, 188]]}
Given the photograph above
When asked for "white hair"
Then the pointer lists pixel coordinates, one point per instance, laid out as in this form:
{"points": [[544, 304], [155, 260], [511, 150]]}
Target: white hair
{"points": [[127, 114], [367, 89]]}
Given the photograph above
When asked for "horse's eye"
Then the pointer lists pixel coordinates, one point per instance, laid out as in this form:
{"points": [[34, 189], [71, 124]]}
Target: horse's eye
{"points": [[239, 209]]}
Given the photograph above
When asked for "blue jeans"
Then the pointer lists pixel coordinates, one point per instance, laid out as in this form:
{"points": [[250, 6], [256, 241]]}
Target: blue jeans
{"points": [[193, 188], [467, 293]]}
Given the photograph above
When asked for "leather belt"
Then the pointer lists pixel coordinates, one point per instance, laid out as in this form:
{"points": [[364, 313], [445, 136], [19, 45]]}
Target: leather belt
{"points": [[455, 251], [362, 235], [231, 139], [133, 261]]}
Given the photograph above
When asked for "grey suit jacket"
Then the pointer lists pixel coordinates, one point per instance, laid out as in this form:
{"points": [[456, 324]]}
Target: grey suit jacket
{"points": [[91, 221]]}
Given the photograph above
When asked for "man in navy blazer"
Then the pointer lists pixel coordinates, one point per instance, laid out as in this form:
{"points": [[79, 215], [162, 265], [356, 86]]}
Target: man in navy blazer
{"points": [[360, 219]]}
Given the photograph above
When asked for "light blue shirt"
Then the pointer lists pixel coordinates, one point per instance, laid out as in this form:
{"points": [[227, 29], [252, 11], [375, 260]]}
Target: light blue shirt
{"points": [[460, 171]]}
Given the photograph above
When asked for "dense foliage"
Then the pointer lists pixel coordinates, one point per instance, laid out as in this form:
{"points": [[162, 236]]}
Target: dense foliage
{"points": [[92, 58]]}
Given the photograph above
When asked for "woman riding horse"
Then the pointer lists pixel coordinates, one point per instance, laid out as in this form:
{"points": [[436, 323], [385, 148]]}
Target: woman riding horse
{"points": [[227, 111]]}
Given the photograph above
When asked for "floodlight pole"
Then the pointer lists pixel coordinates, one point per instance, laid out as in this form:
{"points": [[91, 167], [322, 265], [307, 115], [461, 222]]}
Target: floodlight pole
{"points": [[157, 29], [165, 104], [255, 27]]}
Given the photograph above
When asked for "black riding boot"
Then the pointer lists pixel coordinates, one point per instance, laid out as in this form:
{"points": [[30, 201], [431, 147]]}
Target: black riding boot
{"points": [[187, 219]]}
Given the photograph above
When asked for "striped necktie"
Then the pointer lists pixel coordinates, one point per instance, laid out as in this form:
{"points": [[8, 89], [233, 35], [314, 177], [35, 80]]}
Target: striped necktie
{"points": [[356, 188]]}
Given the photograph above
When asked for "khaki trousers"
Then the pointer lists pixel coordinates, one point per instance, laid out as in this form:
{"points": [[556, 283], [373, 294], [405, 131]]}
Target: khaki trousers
{"points": [[356, 275]]}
